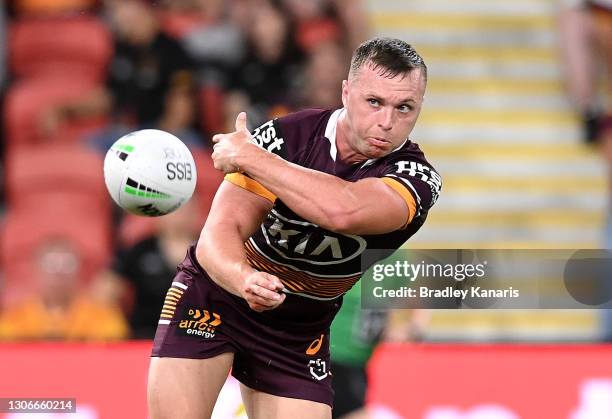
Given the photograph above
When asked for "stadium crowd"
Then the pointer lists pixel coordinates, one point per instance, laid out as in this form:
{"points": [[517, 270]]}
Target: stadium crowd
{"points": [[77, 75]]}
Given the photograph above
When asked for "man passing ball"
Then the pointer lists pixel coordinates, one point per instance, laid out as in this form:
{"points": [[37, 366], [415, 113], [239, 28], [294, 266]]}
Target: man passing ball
{"points": [[304, 196]]}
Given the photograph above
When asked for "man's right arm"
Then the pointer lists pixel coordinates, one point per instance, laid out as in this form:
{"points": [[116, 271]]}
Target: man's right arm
{"points": [[234, 216]]}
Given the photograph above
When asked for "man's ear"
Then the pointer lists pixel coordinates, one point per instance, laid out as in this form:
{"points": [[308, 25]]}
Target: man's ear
{"points": [[344, 93]]}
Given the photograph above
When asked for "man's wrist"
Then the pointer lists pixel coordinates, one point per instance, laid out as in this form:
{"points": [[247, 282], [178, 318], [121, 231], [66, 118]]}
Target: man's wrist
{"points": [[244, 271]]}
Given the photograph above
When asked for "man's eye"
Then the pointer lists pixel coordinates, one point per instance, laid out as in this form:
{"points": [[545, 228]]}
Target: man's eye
{"points": [[404, 108], [373, 102]]}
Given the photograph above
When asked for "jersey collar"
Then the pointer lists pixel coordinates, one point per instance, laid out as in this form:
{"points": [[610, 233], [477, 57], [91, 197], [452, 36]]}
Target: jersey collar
{"points": [[330, 131]]}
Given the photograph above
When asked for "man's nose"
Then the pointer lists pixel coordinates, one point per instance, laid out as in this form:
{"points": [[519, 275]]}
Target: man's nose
{"points": [[385, 120]]}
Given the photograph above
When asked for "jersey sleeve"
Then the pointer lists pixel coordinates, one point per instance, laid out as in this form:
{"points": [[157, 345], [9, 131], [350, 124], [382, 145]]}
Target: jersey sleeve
{"points": [[415, 180], [270, 137], [245, 182], [289, 136], [286, 137]]}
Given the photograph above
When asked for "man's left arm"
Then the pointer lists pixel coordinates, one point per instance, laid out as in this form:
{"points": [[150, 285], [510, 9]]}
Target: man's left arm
{"points": [[368, 206]]}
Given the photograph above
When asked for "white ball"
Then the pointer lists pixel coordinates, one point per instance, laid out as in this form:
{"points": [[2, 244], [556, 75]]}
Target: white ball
{"points": [[149, 172]]}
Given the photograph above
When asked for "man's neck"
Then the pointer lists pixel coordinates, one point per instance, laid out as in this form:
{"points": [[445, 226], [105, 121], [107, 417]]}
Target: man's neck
{"points": [[345, 152]]}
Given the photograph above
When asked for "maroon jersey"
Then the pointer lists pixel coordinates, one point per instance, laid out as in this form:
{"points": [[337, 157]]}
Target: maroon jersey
{"points": [[311, 261]]}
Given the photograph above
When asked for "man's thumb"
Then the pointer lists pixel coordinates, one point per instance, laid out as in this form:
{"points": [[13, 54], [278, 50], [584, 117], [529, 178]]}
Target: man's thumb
{"points": [[241, 122]]}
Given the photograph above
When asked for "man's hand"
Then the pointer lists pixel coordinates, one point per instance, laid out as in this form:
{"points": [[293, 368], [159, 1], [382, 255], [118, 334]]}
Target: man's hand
{"points": [[228, 147], [262, 291]]}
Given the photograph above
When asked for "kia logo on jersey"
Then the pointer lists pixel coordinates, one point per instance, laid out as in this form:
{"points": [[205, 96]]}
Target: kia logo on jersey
{"points": [[304, 241]]}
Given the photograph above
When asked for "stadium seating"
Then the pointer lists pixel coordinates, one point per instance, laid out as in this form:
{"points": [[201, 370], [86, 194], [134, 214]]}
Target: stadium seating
{"points": [[56, 173], [79, 47], [28, 99], [54, 191], [24, 230]]}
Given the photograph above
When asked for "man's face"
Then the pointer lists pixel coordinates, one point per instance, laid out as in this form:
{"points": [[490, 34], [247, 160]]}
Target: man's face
{"points": [[133, 21], [381, 111]]}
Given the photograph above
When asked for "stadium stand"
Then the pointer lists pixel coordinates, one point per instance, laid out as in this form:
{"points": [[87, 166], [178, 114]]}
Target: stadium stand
{"points": [[27, 101], [80, 47], [501, 131], [56, 172]]}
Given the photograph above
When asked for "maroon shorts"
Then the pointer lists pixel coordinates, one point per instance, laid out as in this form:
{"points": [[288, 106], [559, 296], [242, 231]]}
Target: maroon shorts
{"points": [[279, 352]]}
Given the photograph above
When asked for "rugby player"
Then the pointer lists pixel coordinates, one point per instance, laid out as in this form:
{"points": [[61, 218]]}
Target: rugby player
{"points": [[304, 196]]}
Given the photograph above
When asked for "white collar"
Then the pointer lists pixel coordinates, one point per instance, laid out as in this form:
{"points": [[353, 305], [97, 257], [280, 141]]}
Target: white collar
{"points": [[330, 131]]}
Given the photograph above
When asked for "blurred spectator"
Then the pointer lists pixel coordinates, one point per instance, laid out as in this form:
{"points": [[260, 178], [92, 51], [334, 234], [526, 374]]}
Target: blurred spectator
{"points": [[326, 68], [314, 22], [266, 79], [281, 37], [250, 54], [180, 17], [586, 41], [147, 268], [210, 32], [148, 67], [60, 310], [321, 21], [355, 21], [179, 118], [3, 45], [216, 43]]}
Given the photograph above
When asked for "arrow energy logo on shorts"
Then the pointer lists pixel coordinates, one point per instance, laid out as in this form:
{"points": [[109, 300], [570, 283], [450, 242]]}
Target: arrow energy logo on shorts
{"points": [[199, 322]]}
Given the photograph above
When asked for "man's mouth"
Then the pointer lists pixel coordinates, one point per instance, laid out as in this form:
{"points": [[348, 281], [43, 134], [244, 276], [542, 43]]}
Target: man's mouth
{"points": [[379, 142]]}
